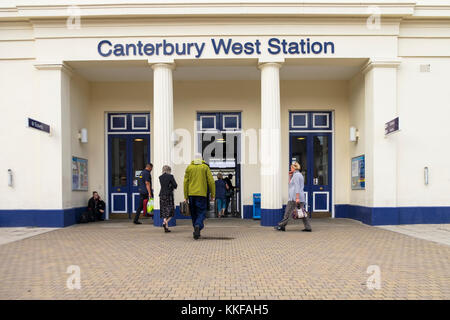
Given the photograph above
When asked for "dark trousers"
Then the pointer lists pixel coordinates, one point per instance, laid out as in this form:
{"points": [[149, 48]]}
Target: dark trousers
{"points": [[197, 207], [142, 197], [98, 215]]}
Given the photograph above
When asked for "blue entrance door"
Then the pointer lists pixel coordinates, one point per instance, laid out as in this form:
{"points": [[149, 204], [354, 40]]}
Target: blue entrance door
{"points": [[128, 155], [313, 152]]}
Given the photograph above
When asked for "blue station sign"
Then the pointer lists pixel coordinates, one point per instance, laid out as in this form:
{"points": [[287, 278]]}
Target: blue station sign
{"points": [[38, 125], [217, 46], [391, 126]]}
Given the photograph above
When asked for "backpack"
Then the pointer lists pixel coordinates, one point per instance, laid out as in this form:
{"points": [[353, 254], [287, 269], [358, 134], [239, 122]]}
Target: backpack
{"points": [[84, 218]]}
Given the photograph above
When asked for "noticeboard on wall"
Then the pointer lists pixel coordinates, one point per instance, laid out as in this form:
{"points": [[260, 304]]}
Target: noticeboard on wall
{"points": [[359, 173], [79, 174]]}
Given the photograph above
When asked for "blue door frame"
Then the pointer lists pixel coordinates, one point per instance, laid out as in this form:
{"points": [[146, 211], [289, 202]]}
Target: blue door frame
{"points": [[318, 184], [123, 192]]}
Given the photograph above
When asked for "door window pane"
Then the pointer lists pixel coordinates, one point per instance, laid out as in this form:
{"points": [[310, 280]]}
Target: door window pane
{"points": [[119, 162], [320, 146], [298, 145], [140, 157]]}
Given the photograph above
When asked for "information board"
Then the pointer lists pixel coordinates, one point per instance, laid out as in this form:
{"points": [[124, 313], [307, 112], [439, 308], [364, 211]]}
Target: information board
{"points": [[358, 173], [79, 174]]}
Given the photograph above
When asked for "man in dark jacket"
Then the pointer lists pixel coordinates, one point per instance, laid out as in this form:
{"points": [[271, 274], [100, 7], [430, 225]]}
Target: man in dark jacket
{"points": [[229, 193], [145, 190], [96, 207]]}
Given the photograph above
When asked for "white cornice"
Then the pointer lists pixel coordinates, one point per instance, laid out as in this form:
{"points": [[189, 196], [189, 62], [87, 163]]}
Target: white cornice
{"points": [[54, 66], [214, 8], [380, 63], [244, 8]]}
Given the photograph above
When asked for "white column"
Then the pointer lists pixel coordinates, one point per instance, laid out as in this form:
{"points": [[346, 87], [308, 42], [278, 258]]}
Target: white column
{"points": [[381, 151], [270, 143], [162, 121], [54, 160]]}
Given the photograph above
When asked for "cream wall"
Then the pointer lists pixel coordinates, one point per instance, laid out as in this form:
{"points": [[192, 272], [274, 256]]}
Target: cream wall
{"points": [[41, 162], [323, 96], [79, 118], [24, 150], [423, 108], [191, 97], [111, 97], [356, 119]]}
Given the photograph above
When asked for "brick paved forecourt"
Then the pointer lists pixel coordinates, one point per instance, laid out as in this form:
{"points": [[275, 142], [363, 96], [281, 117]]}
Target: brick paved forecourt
{"points": [[235, 259]]}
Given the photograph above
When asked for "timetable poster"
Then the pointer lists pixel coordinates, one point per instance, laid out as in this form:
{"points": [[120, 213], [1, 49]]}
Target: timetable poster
{"points": [[79, 174], [358, 173]]}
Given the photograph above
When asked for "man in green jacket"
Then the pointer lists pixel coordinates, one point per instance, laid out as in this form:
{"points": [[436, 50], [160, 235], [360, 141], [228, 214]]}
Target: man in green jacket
{"points": [[197, 180]]}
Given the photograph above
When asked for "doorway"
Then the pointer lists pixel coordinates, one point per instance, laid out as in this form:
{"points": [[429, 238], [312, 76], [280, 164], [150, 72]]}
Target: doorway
{"points": [[128, 153], [219, 141], [313, 151]]}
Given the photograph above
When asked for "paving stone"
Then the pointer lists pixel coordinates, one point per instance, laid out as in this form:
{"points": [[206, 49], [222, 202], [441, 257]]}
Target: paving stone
{"points": [[119, 260]]}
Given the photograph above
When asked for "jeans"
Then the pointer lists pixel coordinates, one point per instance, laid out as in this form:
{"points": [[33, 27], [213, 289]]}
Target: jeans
{"points": [[197, 207], [142, 197], [221, 204]]}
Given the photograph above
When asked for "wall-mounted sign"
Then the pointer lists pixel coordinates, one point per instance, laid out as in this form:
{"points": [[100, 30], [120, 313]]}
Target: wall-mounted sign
{"points": [[215, 46], [219, 163], [358, 173], [391, 126], [79, 174], [38, 125]]}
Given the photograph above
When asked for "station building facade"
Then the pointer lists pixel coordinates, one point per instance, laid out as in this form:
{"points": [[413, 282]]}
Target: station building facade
{"points": [[357, 93]]}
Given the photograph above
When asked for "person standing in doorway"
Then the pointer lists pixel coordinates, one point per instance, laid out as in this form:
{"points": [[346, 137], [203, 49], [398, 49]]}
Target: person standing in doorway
{"points": [[145, 190], [197, 179], [229, 192], [221, 189], [166, 202], [296, 198]]}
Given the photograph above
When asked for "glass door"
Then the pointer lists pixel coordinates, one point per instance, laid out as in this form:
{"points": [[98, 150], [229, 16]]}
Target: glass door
{"points": [[139, 157], [299, 151], [320, 190], [313, 152], [118, 173], [128, 155]]}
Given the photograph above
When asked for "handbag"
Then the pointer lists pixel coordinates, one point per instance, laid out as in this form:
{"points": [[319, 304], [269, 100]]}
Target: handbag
{"points": [[300, 213], [184, 208]]}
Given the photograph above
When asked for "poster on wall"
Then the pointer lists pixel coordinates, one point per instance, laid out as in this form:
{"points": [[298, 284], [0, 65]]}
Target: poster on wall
{"points": [[358, 173], [79, 174]]}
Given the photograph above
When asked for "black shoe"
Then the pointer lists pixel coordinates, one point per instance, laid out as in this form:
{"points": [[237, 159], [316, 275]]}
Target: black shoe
{"points": [[165, 228], [278, 228], [196, 232], [306, 230], [137, 222]]}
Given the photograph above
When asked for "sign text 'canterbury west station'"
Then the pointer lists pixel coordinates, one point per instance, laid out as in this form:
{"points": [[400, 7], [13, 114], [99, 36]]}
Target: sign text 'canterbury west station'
{"points": [[274, 46]]}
